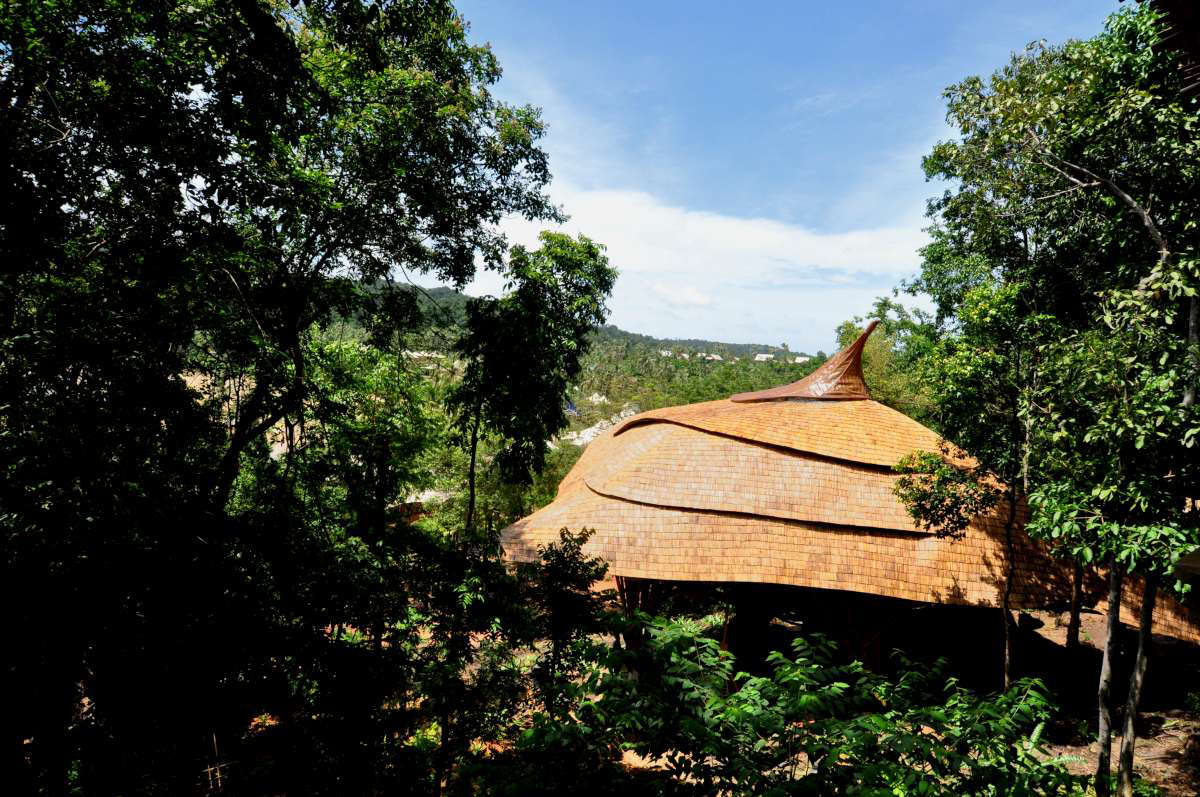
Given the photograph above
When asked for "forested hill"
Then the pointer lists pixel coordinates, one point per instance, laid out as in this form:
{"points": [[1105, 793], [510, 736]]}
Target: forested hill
{"points": [[448, 306], [627, 371], [727, 351]]}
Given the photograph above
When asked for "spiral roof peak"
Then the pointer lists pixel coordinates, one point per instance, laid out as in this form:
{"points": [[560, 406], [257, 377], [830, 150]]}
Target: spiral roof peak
{"points": [[840, 378]]}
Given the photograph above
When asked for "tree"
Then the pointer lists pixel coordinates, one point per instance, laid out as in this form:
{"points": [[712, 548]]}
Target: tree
{"points": [[1085, 157], [524, 349], [568, 613], [1123, 458], [980, 381], [196, 189]]}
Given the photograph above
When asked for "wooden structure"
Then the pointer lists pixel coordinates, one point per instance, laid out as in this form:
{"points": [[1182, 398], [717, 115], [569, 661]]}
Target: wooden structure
{"points": [[793, 486], [1183, 35]]}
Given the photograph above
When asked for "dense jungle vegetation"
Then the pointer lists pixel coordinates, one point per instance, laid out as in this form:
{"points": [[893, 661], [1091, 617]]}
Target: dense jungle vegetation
{"points": [[253, 479]]}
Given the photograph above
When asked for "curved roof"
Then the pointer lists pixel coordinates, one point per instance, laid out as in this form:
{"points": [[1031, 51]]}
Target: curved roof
{"points": [[790, 486], [862, 431]]}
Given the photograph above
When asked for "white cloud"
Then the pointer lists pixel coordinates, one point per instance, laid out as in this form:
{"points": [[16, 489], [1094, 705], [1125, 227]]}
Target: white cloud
{"points": [[689, 273], [682, 295], [586, 149], [645, 235]]}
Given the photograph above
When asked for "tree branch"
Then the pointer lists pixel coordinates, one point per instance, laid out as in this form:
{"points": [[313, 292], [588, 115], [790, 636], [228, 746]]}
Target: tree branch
{"points": [[1072, 189], [1164, 251]]}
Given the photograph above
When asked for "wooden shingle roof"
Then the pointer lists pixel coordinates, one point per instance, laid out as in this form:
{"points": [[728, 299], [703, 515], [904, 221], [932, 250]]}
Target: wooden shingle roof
{"points": [[791, 486]]}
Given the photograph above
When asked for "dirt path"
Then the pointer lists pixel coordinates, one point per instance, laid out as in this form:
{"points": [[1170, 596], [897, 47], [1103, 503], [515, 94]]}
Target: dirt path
{"points": [[1167, 752], [1165, 757]]}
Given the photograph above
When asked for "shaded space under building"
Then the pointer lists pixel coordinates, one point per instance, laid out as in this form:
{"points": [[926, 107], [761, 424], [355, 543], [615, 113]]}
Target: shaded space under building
{"points": [[793, 487]]}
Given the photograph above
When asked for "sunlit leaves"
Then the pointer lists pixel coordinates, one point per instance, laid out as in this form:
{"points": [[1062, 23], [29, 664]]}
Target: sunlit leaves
{"points": [[1076, 181], [942, 497], [813, 725], [523, 349]]}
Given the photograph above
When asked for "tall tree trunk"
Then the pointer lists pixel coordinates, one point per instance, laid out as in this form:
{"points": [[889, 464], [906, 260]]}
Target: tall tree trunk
{"points": [[1076, 605], [1136, 679], [1104, 730], [470, 524], [1193, 341], [1010, 573]]}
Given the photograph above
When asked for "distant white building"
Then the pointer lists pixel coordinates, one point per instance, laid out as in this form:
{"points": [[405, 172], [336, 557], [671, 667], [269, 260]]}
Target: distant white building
{"points": [[428, 360], [799, 360], [685, 355], [585, 436], [664, 352], [713, 357], [762, 358]]}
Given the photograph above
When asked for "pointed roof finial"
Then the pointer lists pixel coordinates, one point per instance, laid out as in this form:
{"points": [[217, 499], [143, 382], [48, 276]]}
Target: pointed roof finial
{"points": [[840, 378]]}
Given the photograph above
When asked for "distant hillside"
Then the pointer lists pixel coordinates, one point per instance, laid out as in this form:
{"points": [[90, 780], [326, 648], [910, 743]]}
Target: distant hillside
{"points": [[448, 306], [610, 333], [626, 372]]}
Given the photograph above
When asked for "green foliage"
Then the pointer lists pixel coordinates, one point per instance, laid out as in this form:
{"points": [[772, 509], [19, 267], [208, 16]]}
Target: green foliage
{"points": [[198, 193], [980, 377], [523, 349], [567, 614], [1120, 442], [1141, 787], [893, 355], [941, 497], [558, 750], [816, 727], [211, 440], [691, 346], [1061, 269], [631, 373]]}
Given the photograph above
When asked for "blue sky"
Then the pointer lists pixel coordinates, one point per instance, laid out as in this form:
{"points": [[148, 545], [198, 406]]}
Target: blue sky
{"points": [[754, 169]]}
